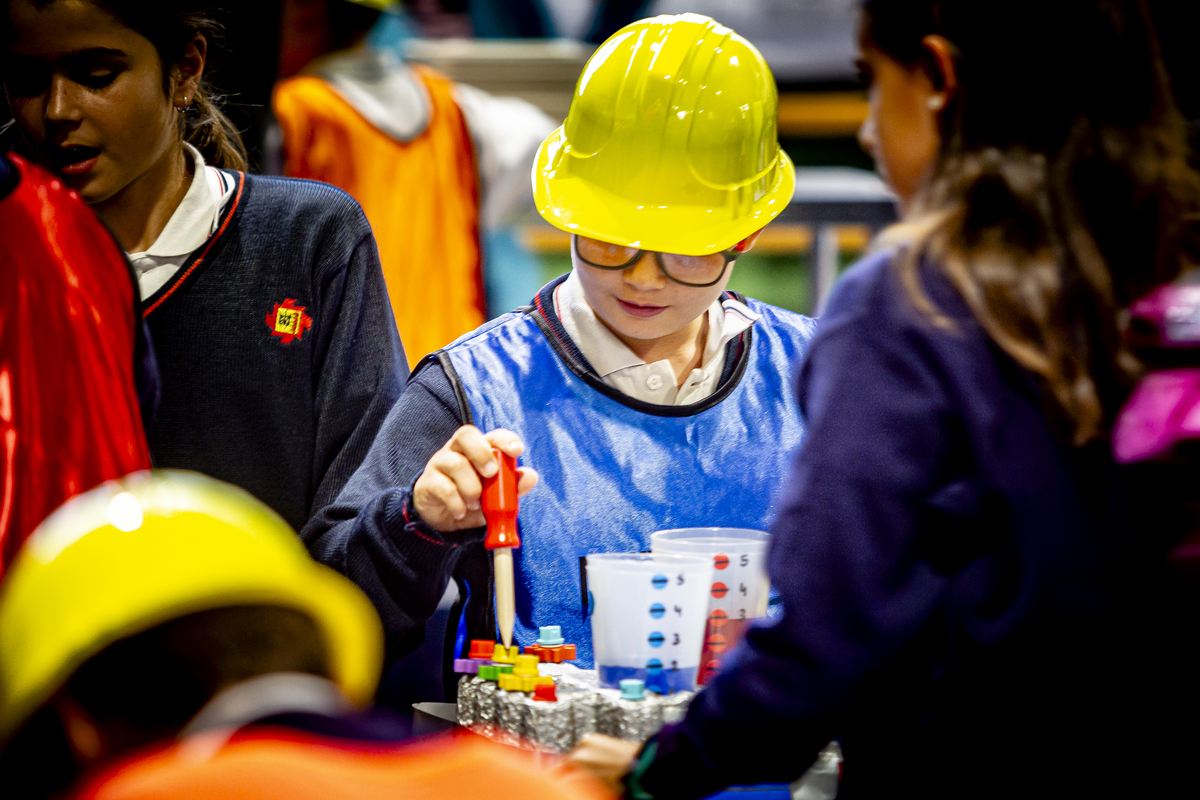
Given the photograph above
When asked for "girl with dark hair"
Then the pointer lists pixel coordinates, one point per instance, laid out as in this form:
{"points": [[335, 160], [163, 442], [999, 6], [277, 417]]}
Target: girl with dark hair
{"points": [[976, 597], [278, 354]]}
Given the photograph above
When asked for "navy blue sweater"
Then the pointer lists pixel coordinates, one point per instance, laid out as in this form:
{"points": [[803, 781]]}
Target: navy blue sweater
{"points": [[960, 587], [277, 350]]}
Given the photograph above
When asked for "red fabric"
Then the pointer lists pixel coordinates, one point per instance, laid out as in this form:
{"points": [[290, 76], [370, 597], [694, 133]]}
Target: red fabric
{"points": [[69, 416]]}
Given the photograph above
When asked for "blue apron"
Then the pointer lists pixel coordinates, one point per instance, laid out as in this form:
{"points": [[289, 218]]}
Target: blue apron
{"points": [[613, 469]]}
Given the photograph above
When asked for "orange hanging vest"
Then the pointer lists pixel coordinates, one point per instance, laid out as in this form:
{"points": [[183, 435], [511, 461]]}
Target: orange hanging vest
{"points": [[264, 763], [421, 198]]}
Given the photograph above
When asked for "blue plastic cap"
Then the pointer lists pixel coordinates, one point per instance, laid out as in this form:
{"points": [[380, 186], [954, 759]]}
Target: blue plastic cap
{"points": [[633, 689], [550, 636]]}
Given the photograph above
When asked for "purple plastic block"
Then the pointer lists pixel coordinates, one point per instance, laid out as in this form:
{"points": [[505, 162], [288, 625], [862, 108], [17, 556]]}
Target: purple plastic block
{"points": [[469, 666]]}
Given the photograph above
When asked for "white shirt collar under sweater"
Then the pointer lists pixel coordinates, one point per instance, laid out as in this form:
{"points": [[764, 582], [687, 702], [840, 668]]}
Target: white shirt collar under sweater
{"points": [[620, 367], [189, 227]]}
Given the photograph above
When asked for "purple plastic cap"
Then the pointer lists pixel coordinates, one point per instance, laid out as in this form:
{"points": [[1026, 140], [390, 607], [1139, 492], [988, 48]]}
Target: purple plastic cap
{"points": [[1163, 411], [468, 666]]}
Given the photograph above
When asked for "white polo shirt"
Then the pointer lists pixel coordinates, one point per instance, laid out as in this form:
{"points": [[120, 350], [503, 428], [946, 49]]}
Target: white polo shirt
{"points": [[622, 369], [193, 222]]}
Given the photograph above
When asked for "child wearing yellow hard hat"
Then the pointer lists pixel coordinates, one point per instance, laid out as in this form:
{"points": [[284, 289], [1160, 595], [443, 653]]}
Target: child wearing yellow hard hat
{"points": [[645, 394]]}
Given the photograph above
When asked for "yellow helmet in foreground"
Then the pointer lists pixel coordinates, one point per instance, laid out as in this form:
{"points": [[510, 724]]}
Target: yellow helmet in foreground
{"points": [[137, 552], [670, 142]]}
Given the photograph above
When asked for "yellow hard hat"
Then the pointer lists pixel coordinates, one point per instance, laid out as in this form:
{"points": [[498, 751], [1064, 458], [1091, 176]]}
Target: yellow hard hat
{"points": [[378, 5], [137, 552], [670, 142]]}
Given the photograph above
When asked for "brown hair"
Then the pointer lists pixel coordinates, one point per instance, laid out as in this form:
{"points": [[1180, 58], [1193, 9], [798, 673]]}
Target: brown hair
{"points": [[171, 25], [1062, 190]]}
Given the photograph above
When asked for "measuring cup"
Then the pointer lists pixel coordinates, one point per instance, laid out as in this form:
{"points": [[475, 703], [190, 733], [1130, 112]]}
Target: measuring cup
{"points": [[648, 616], [739, 590]]}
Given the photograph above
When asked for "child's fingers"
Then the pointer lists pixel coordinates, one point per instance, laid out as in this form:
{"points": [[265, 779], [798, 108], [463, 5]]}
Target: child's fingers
{"points": [[461, 473], [526, 480], [475, 447], [507, 441], [433, 489]]}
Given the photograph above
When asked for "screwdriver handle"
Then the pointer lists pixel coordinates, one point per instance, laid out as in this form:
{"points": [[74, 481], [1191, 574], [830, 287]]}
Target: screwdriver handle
{"points": [[499, 503]]}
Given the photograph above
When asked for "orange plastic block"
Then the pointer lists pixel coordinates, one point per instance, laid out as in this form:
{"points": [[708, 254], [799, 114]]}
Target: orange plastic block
{"points": [[482, 649], [563, 652]]}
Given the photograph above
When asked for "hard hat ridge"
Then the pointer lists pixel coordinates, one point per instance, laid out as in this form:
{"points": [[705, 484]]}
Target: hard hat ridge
{"points": [[670, 141]]}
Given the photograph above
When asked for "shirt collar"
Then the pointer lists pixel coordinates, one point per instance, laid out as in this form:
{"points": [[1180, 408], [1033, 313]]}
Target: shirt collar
{"points": [[607, 354], [194, 219]]}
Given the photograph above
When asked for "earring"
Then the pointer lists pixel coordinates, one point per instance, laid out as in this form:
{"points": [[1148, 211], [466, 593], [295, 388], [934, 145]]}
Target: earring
{"points": [[935, 102]]}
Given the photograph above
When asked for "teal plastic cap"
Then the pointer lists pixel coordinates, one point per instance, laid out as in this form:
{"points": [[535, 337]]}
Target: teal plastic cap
{"points": [[550, 636], [633, 689]]}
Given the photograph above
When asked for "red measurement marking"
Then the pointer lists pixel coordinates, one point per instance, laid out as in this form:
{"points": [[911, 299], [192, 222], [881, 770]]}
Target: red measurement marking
{"points": [[720, 561], [730, 632], [719, 590], [718, 618]]}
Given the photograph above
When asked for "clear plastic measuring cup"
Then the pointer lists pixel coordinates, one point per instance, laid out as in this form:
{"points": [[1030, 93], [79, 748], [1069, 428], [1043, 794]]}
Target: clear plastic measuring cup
{"points": [[648, 617], [739, 589]]}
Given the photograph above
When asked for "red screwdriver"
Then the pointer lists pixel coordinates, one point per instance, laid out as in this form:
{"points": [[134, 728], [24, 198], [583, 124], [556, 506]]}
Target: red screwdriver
{"points": [[499, 505]]}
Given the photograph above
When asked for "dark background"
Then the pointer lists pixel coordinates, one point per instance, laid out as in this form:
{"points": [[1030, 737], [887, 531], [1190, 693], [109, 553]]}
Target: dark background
{"points": [[248, 63]]}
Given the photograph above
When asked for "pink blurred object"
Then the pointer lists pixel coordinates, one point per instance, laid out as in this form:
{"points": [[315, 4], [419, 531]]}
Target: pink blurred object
{"points": [[1173, 312], [1163, 411]]}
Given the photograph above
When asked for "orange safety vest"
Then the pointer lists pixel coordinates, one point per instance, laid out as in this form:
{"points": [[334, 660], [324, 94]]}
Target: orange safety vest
{"points": [[266, 763], [421, 198]]}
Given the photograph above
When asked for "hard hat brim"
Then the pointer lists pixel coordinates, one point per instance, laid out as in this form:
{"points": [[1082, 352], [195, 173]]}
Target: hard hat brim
{"points": [[580, 207], [345, 617]]}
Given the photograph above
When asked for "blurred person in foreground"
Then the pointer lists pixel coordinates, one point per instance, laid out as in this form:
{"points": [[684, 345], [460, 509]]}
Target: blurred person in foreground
{"points": [[167, 636], [976, 598], [441, 169], [73, 353]]}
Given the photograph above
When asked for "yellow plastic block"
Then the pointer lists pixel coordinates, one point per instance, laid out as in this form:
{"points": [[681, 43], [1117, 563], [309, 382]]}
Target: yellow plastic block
{"points": [[522, 683], [501, 656], [526, 665]]}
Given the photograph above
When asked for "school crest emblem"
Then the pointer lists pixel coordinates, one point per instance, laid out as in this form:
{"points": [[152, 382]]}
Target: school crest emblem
{"points": [[288, 321]]}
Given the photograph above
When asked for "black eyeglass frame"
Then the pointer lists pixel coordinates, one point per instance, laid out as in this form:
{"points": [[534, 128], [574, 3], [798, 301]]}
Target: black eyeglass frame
{"points": [[729, 256]]}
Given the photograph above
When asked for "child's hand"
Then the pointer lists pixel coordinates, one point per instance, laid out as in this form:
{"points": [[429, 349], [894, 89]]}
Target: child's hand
{"points": [[447, 493], [606, 758]]}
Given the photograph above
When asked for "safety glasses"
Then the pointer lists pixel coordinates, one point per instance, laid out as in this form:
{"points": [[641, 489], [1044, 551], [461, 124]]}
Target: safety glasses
{"points": [[698, 271]]}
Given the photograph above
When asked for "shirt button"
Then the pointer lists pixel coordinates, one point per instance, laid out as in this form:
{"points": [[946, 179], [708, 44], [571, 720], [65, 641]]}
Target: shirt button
{"points": [[654, 382]]}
